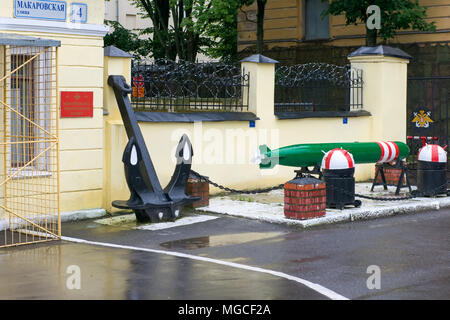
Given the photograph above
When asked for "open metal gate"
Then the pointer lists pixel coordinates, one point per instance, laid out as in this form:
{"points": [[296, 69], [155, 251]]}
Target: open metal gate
{"points": [[29, 151], [427, 115]]}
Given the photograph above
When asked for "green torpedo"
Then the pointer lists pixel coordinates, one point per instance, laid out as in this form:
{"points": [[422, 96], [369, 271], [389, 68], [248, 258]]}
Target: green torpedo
{"points": [[308, 155]]}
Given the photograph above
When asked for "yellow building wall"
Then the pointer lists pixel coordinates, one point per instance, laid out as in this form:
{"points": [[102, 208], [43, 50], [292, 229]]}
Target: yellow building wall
{"points": [[210, 143], [80, 68], [283, 26]]}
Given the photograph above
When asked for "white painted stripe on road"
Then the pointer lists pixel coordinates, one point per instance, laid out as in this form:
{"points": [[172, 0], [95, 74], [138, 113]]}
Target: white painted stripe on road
{"points": [[178, 223], [314, 286]]}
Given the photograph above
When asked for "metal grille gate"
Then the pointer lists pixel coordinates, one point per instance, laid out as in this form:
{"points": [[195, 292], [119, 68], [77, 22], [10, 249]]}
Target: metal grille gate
{"points": [[427, 115], [29, 149]]}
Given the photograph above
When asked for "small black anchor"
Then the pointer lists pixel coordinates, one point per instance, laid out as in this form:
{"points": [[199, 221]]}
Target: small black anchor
{"points": [[148, 200]]}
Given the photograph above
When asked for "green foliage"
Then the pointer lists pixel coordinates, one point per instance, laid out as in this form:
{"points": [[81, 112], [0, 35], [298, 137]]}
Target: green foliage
{"points": [[222, 31], [185, 36], [126, 40], [196, 26], [261, 5], [395, 15]]}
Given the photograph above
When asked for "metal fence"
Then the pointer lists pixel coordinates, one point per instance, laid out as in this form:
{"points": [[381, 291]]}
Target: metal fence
{"points": [[318, 87], [428, 105], [29, 174], [182, 86]]}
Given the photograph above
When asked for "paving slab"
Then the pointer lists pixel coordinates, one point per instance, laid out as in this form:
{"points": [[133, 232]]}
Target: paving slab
{"points": [[269, 207]]}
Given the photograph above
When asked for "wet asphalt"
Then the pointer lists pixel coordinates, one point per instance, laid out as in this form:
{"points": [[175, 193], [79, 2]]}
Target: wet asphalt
{"points": [[411, 251]]}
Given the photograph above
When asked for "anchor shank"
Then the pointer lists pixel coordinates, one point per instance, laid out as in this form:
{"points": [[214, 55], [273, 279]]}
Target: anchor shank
{"points": [[121, 91]]}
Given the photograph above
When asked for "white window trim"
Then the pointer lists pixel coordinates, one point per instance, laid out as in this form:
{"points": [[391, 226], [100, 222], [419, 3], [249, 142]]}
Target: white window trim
{"points": [[27, 173]]}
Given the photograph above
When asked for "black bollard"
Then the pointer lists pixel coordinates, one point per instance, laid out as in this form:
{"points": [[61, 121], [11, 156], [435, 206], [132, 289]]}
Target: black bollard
{"points": [[338, 174], [432, 170]]}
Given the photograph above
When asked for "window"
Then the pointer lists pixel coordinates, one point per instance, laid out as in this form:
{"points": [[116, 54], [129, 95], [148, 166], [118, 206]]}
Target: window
{"points": [[315, 27], [22, 97], [130, 21], [30, 98]]}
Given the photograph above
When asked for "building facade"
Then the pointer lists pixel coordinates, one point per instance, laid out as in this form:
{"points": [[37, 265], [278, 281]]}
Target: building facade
{"points": [[75, 29], [124, 12], [294, 32]]}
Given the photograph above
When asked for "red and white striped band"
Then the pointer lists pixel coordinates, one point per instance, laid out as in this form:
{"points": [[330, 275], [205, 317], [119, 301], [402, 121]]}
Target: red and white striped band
{"points": [[389, 151]]}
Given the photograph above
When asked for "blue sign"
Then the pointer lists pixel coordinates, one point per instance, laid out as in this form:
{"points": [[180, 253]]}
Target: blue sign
{"points": [[40, 9], [79, 12]]}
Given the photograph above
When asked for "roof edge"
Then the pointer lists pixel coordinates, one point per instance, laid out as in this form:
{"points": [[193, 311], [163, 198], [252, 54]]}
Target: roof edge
{"points": [[380, 50]]}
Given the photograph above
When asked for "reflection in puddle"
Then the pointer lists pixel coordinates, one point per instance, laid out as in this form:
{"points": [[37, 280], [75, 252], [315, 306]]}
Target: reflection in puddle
{"points": [[219, 240]]}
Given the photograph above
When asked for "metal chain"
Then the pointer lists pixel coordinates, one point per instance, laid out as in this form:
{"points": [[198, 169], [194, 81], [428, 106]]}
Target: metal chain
{"points": [[256, 191], [416, 194]]}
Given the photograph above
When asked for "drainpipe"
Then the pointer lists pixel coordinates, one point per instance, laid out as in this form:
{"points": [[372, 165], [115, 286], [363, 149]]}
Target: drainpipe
{"points": [[117, 10]]}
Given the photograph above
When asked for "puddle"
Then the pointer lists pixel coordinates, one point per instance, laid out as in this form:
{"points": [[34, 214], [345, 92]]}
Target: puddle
{"points": [[219, 240]]}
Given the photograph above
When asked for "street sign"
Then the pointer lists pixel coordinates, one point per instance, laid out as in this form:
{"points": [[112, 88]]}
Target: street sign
{"points": [[138, 81], [138, 86], [40, 9], [78, 12]]}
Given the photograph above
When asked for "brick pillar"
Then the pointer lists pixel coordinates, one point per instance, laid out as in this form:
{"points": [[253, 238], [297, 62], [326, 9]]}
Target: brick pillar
{"points": [[198, 188], [304, 198]]}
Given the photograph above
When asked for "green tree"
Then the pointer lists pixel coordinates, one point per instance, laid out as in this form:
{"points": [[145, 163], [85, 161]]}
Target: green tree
{"points": [[260, 13], [126, 40], [184, 28], [185, 36], [395, 15], [261, 4], [222, 32]]}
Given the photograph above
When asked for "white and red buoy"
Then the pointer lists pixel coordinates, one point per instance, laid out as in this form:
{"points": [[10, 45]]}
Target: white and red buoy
{"points": [[432, 153], [337, 159], [338, 167]]}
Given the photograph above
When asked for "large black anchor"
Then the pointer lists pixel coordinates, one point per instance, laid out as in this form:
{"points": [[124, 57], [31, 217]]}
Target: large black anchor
{"points": [[148, 200]]}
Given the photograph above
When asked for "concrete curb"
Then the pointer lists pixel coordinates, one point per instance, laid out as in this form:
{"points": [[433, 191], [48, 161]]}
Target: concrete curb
{"points": [[274, 213], [82, 214], [65, 217]]}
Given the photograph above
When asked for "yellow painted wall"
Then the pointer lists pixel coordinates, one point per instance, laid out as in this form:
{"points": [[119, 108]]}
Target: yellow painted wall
{"points": [[80, 68], [210, 158], [114, 184], [283, 26], [218, 146]]}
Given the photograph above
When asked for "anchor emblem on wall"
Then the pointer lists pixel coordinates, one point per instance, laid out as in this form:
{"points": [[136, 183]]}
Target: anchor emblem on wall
{"points": [[422, 118]]}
